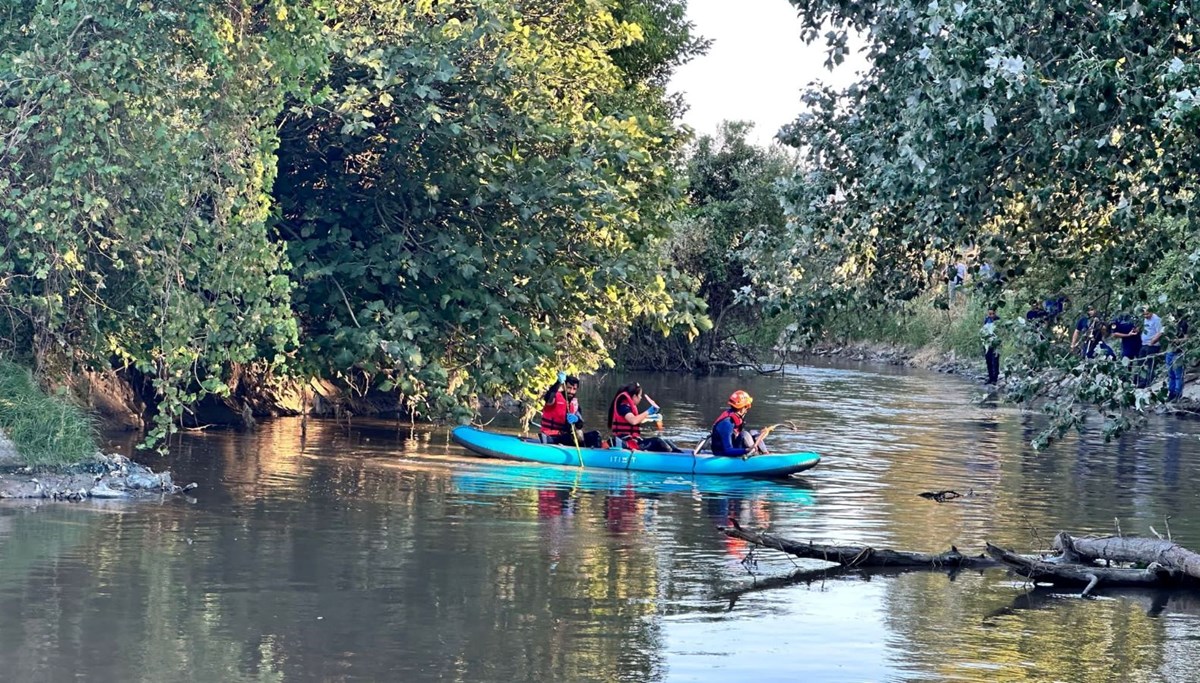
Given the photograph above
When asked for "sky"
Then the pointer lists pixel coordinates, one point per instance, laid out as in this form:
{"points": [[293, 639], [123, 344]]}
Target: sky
{"points": [[756, 67]]}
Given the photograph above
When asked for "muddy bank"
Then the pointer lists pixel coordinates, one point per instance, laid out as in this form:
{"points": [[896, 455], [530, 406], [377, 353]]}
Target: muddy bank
{"points": [[927, 358], [949, 362], [101, 476]]}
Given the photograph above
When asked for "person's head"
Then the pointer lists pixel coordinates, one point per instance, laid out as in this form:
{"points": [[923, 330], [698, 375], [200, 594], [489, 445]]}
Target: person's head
{"points": [[740, 401], [571, 386], [1091, 311], [991, 313], [633, 390], [1146, 312]]}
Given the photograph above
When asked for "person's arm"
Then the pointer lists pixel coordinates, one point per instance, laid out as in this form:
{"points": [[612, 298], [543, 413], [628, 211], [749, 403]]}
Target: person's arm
{"points": [[632, 416], [1157, 335], [724, 432]]}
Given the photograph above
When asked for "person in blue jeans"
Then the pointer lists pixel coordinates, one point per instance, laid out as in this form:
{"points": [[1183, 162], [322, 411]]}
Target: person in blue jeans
{"points": [[1175, 364]]}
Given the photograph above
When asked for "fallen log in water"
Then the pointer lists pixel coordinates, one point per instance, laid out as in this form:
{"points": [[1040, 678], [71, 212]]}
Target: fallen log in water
{"points": [[1165, 564], [1146, 551], [861, 556], [1082, 575]]}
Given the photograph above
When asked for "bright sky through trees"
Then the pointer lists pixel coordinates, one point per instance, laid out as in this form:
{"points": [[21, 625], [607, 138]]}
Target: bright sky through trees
{"points": [[756, 66]]}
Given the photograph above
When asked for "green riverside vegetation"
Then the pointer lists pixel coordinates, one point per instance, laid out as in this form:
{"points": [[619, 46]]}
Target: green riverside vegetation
{"points": [[48, 431], [444, 201]]}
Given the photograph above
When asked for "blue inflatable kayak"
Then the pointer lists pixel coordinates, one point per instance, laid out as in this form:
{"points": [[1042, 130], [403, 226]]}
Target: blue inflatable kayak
{"points": [[494, 445]]}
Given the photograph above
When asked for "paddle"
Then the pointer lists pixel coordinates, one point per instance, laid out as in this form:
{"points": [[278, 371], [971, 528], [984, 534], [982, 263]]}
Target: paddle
{"points": [[762, 434], [575, 435], [696, 450]]}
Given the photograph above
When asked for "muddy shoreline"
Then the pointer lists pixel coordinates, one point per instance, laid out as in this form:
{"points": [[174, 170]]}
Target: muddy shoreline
{"points": [[106, 477], [949, 362]]}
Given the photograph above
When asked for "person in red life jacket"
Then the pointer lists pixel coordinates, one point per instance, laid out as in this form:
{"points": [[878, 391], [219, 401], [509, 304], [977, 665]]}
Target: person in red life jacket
{"points": [[561, 420], [625, 421], [729, 435]]}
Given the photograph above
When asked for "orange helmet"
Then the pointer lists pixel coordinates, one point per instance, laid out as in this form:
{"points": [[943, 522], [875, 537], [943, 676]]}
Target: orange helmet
{"points": [[740, 399]]}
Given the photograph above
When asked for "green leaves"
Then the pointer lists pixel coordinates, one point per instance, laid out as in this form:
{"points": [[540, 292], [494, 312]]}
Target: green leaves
{"points": [[1052, 141], [507, 195], [139, 189]]}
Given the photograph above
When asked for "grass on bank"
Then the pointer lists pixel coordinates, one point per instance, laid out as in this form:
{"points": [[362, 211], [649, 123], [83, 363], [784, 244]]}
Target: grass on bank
{"points": [[921, 324], [48, 431]]}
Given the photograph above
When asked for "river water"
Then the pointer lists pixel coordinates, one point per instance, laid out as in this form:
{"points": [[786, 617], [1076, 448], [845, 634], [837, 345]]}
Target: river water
{"points": [[384, 552]]}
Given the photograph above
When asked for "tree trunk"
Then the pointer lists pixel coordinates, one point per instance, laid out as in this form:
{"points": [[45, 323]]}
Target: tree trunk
{"points": [[861, 556], [1140, 550], [1075, 574], [1169, 565]]}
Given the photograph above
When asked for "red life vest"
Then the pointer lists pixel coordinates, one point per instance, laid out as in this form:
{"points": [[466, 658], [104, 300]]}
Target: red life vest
{"points": [[554, 415], [620, 426], [738, 421]]}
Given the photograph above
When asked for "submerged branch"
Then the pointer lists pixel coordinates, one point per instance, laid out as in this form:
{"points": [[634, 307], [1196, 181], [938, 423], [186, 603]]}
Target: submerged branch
{"points": [[1156, 562], [861, 556]]}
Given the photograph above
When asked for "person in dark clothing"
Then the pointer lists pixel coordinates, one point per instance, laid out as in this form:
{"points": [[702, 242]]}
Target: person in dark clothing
{"points": [[1054, 306], [562, 422], [1129, 332], [729, 436], [625, 421], [1037, 313], [991, 346], [1089, 334]]}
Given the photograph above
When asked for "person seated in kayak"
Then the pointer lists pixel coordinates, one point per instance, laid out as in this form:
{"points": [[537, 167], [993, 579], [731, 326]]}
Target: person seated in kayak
{"points": [[729, 435], [625, 421], [561, 421]]}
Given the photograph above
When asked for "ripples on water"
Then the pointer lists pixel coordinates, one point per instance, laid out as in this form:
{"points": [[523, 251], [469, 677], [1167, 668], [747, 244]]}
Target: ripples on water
{"points": [[384, 552]]}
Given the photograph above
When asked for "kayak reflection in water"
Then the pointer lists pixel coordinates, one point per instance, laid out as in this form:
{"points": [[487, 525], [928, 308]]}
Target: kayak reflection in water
{"points": [[625, 421], [729, 436]]}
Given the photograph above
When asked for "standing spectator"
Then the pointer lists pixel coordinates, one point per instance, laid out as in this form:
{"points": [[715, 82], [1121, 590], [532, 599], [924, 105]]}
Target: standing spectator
{"points": [[954, 278], [991, 346], [1054, 306], [1083, 328], [1098, 333], [1036, 318], [1175, 364], [1036, 312], [1125, 329], [1091, 331], [1152, 330]]}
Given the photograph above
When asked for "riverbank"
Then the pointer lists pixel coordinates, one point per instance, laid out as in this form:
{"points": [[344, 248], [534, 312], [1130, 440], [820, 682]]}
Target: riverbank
{"points": [[48, 449], [935, 359], [41, 429], [929, 358], [98, 476]]}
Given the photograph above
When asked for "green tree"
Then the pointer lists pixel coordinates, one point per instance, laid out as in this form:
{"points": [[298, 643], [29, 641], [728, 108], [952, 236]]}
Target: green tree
{"points": [[733, 202], [478, 201], [1057, 138], [136, 156]]}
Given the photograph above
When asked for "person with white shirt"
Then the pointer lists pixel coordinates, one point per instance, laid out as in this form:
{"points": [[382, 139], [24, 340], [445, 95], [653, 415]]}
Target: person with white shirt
{"points": [[1152, 330]]}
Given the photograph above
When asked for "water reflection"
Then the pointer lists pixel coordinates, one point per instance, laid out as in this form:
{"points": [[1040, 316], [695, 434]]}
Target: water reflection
{"points": [[382, 551]]}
